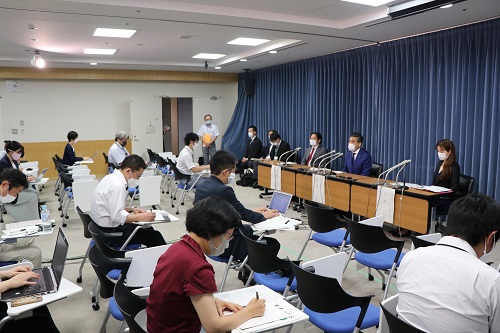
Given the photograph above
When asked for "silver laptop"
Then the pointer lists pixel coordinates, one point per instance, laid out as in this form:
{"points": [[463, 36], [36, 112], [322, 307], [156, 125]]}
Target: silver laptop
{"points": [[280, 201], [92, 158], [40, 175], [50, 277]]}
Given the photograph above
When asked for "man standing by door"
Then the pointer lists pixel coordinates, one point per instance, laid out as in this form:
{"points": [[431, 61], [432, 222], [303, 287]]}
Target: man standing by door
{"points": [[208, 133]]}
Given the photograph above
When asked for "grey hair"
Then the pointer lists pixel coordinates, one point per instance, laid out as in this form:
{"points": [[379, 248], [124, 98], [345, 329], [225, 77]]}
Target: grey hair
{"points": [[121, 135]]}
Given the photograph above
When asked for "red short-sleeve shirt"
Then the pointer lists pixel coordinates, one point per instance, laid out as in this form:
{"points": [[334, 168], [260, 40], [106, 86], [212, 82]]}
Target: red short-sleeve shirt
{"points": [[181, 272]]}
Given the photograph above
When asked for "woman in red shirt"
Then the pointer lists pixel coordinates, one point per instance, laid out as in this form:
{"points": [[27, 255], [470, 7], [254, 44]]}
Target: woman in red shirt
{"points": [[181, 295]]}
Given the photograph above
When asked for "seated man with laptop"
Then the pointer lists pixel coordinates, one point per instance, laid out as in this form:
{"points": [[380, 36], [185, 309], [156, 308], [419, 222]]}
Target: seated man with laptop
{"points": [[23, 282], [222, 167]]}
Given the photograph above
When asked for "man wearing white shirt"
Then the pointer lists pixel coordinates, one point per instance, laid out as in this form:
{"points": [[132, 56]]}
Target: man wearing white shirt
{"points": [[208, 133], [185, 161], [117, 151], [108, 209], [449, 287]]}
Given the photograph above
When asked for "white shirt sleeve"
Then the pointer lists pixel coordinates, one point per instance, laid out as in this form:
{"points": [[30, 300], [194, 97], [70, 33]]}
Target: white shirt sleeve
{"points": [[200, 132], [215, 131], [495, 308]]}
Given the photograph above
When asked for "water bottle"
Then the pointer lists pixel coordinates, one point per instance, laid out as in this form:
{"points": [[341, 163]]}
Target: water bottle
{"points": [[45, 214]]}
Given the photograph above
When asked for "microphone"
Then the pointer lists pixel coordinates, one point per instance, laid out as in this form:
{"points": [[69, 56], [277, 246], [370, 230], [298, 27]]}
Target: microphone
{"points": [[332, 158], [293, 151], [396, 186], [386, 172], [313, 168]]}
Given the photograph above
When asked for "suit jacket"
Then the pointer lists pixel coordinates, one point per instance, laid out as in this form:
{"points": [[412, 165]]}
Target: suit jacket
{"points": [[6, 164], [362, 164], [318, 152], [215, 187], [453, 182], [69, 157], [254, 148], [283, 147]]}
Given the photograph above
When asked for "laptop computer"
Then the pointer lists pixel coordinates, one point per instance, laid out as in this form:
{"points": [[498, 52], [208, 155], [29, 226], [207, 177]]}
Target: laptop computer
{"points": [[280, 201], [92, 158], [50, 277], [40, 175]]}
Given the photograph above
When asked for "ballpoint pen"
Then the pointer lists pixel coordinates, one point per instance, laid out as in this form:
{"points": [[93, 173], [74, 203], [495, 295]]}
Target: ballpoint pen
{"points": [[257, 295]]}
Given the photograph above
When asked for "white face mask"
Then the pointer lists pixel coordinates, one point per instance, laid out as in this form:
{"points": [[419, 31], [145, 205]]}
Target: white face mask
{"points": [[442, 156], [132, 182], [16, 156], [217, 251], [312, 143], [275, 143], [8, 198], [486, 257], [231, 178], [250, 135], [351, 147], [76, 140], [195, 145]]}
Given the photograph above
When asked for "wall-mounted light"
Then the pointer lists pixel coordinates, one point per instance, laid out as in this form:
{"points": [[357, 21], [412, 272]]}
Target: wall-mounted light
{"points": [[37, 60]]}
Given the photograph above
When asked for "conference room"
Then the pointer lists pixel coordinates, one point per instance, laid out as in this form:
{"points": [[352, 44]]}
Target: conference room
{"points": [[404, 75]]}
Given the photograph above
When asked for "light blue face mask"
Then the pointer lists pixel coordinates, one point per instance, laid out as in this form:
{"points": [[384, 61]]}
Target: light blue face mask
{"points": [[208, 122], [217, 251]]}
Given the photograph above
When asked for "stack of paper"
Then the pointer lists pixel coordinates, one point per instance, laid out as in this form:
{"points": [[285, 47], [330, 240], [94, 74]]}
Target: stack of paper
{"points": [[278, 222]]}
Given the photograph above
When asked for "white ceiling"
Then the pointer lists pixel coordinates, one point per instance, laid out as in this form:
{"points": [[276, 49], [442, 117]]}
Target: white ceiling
{"points": [[309, 28]]}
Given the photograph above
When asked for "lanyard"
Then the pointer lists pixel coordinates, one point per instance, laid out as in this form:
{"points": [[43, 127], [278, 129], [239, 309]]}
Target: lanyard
{"points": [[455, 247]]}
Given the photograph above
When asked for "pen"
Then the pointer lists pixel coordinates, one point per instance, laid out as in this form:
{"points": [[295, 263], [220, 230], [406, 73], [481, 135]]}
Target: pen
{"points": [[257, 295], [287, 221]]}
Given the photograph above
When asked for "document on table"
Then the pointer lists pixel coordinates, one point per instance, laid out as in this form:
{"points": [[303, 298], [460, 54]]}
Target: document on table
{"points": [[244, 295], [318, 188], [385, 203], [22, 224], [278, 222], [276, 177], [436, 189]]}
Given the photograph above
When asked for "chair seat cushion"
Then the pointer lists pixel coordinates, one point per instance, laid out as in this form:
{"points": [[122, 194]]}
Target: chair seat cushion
{"points": [[219, 259], [333, 238], [380, 260], [274, 281], [114, 274], [115, 310], [343, 321], [132, 190]]}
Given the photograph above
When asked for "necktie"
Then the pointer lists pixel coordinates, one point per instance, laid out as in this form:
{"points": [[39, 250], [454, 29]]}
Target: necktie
{"points": [[310, 156], [353, 158], [275, 151]]}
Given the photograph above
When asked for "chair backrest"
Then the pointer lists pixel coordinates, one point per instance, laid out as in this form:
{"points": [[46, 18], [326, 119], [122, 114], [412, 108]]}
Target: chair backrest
{"points": [[152, 155], [150, 188], [58, 158], [395, 323], [371, 239], [102, 266], [322, 219], [66, 179], [83, 192], [161, 161], [425, 240], [86, 219], [105, 157], [130, 306], [465, 185], [331, 266], [261, 259], [179, 175], [376, 169], [140, 273], [325, 295], [101, 238]]}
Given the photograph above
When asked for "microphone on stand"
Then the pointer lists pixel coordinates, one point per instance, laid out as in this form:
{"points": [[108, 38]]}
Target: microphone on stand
{"points": [[312, 169], [397, 186], [332, 158], [293, 151], [386, 172]]}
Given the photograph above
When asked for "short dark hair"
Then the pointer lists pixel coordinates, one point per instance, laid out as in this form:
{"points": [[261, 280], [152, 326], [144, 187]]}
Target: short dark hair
{"points": [[134, 162], [212, 217], [254, 128], [473, 217], [15, 177], [275, 136], [221, 161], [358, 136], [208, 115], [272, 131], [72, 135], [318, 135], [13, 146], [190, 137]]}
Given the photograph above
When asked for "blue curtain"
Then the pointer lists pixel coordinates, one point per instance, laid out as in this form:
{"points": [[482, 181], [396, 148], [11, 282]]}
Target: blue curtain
{"points": [[402, 96]]}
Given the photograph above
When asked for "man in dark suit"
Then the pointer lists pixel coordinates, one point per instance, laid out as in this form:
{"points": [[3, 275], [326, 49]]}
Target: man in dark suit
{"points": [[280, 147], [357, 160], [254, 150], [315, 151], [222, 167]]}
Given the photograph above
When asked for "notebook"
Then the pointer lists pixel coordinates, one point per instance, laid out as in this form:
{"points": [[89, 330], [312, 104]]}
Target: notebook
{"points": [[50, 277], [280, 201]]}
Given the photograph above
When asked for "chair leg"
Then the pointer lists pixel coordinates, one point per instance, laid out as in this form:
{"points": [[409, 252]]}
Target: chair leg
{"points": [[106, 317], [123, 327], [305, 244], [80, 271], [250, 277], [349, 259], [391, 273], [95, 294]]}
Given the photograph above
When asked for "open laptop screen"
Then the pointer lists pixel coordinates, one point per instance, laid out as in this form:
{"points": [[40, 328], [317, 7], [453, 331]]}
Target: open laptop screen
{"points": [[280, 201], [59, 259]]}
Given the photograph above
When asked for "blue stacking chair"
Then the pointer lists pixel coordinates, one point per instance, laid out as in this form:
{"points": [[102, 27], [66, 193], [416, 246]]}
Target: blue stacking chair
{"points": [[182, 184], [330, 308], [265, 264], [375, 250], [329, 230]]}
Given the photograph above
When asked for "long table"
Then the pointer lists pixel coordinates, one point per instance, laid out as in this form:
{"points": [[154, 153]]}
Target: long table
{"points": [[413, 209]]}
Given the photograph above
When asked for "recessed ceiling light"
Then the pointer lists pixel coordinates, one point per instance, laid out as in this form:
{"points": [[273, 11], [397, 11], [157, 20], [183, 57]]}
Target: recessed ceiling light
{"points": [[373, 3], [217, 67], [446, 6], [32, 27], [34, 39], [273, 51], [93, 64], [211, 56], [184, 37], [100, 51], [117, 33], [243, 60], [248, 41]]}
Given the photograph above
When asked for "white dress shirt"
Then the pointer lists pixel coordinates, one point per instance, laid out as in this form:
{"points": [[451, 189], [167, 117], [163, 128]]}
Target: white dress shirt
{"points": [[117, 154], [446, 288], [107, 208], [212, 130], [185, 161]]}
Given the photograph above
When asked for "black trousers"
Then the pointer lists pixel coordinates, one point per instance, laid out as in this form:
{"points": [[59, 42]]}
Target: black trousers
{"points": [[238, 244], [41, 321], [146, 236]]}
